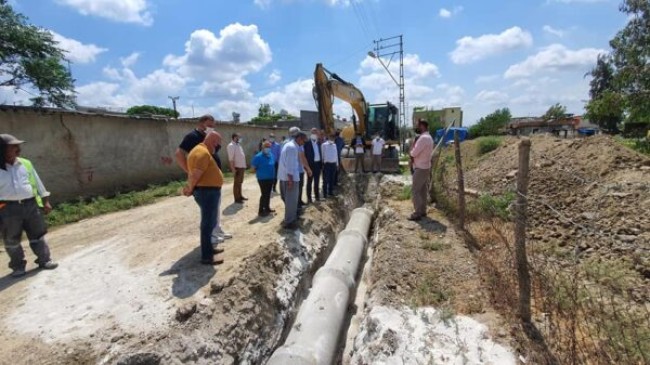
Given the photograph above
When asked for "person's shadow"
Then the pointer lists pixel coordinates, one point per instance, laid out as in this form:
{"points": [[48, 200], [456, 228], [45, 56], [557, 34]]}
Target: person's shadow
{"points": [[191, 275], [8, 281], [233, 208], [259, 219]]}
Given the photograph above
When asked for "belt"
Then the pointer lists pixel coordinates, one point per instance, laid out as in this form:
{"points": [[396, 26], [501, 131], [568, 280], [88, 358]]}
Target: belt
{"points": [[22, 201], [207, 188]]}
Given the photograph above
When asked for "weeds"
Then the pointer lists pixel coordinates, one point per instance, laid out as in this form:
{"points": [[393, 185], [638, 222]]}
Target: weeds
{"points": [[488, 144], [406, 193], [641, 145], [431, 292], [491, 206], [73, 212], [434, 246]]}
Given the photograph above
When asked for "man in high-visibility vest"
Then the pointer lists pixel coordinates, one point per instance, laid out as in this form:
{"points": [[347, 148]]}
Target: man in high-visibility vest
{"points": [[22, 196]]}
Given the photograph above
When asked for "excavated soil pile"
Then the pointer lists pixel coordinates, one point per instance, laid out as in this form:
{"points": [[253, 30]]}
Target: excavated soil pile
{"points": [[587, 196]]}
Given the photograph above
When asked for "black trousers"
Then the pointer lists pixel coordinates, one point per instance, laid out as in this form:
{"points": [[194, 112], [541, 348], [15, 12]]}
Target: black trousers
{"points": [[265, 199], [312, 182]]}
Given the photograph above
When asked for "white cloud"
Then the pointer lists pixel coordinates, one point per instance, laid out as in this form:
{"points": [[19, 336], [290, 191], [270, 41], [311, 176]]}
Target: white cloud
{"points": [[238, 51], [486, 79], [265, 4], [130, 60], [274, 77], [469, 49], [375, 77], [445, 13], [292, 97], [124, 11], [552, 31], [76, 51], [555, 57], [492, 97]]}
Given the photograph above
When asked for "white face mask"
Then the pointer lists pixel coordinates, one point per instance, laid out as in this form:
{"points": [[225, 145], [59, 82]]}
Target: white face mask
{"points": [[314, 137], [208, 130], [272, 139]]}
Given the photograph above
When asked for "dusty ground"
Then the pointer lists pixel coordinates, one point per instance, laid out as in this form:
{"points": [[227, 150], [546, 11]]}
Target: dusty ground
{"points": [[130, 283], [423, 285]]}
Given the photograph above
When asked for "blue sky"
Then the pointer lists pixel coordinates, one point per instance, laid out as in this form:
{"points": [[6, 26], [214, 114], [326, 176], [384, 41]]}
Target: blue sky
{"points": [[224, 56]]}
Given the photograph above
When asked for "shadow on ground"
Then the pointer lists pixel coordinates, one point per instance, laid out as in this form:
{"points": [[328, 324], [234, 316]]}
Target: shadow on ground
{"points": [[7, 281], [432, 225], [233, 208], [191, 275]]}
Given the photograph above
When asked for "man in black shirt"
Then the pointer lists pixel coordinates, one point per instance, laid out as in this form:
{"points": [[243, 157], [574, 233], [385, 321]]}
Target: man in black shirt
{"points": [[190, 141]]}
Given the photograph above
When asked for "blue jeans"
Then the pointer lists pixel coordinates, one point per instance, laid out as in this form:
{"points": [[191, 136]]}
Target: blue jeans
{"points": [[208, 201]]}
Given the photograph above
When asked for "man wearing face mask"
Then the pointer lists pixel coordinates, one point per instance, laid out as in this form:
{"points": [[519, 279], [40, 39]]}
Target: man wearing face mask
{"points": [[237, 161], [314, 160], [264, 166], [191, 140], [421, 157], [276, 148], [377, 150], [359, 152]]}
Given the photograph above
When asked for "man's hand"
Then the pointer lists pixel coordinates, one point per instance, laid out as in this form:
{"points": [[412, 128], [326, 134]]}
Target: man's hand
{"points": [[232, 167], [187, 190], [47, 207], [309, 173], [290, 184]]}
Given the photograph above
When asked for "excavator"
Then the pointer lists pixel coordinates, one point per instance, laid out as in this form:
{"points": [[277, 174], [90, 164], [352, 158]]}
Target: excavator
{"points": [[369, 119]]}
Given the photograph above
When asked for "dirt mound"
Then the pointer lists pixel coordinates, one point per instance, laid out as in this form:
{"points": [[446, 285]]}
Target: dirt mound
{"points": [[586, 196]]}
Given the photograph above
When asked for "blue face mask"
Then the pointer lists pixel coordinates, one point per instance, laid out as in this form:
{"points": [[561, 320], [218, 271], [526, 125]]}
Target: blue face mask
{"points": [[267, 151]]}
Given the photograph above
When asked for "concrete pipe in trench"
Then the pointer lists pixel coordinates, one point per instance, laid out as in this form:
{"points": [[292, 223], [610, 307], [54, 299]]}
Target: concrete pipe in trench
{"points": [[315, 335]]}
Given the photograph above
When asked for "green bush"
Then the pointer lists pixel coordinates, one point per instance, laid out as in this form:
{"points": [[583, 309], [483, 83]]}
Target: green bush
{"points": [[494, 206], [406, 193], [488, 144]]}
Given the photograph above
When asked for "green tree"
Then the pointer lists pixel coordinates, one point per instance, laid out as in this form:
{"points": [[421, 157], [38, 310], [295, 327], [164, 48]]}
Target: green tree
{"points": [[492, 124], [606, 106], [152, 110], [557, 111], [29, 57], [266, 115], [631, 58]]}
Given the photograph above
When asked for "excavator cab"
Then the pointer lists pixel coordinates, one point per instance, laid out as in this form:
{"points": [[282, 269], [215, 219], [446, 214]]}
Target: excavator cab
{"points": [[383, 119]]}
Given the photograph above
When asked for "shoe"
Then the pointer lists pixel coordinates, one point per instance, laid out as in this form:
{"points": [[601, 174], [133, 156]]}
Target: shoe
{"points": [[217, 250], [50, 265], [18, 273], [263, 214], [216, 240], [212, 262], [271, 210], [244, 198], [239, 201], [291, 226], [414, 217], [310, 202], [225, 235]]}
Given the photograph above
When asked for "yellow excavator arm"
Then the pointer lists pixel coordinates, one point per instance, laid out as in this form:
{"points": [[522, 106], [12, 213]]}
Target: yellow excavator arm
{"points": [[328, 85]]}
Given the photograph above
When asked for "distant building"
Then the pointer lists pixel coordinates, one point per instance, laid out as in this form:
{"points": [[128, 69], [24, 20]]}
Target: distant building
{"points": [[445, 115], [525, 126]]}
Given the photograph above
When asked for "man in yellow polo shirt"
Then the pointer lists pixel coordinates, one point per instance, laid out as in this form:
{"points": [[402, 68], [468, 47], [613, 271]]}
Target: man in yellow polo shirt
{"points": [[204, 181]]}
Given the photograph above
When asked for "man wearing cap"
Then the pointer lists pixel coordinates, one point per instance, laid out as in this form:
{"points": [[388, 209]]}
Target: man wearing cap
{"points": [[276, 148], [197, 135], [22, 195], [289, 177], [237, 161]]}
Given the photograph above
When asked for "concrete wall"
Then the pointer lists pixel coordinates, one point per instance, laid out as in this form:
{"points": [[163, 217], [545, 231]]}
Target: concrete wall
{"points": [[84, 155]]}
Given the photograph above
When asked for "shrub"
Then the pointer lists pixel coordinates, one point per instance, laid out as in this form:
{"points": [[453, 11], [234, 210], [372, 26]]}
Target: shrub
{"points": [[488, 144]]}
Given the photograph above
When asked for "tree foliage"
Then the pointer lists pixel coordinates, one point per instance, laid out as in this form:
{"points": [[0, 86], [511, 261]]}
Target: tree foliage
{"points": [[620, 85], [557, 111], [29, 56], [492, 124], [152, 110], [266, 115]]}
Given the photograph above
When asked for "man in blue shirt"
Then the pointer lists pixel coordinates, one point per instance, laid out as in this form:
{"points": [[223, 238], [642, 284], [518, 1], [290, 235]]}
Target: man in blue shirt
{"points": [[264, 165], [276, 148]]}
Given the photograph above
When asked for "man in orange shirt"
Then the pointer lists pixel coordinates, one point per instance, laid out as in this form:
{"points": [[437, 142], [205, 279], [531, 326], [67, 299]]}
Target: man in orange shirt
{"points": [[204, 181], [421, 157]]}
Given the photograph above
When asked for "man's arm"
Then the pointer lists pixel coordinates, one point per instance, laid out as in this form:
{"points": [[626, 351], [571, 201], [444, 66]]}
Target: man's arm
{"points": [[181, 159], [231, 157], [43, 193], [304, 162], [193, 178]]}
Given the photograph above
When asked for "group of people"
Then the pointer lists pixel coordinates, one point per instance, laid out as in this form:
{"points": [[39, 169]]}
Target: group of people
{"points": [[24, 199]]}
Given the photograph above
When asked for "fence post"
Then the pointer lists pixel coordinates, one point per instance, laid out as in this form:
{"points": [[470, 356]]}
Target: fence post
{"points": [[461, 183], [520, 231]]}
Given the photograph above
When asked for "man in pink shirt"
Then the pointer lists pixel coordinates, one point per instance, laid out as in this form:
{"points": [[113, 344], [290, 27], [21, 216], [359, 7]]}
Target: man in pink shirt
{"points": [[421, 156]]}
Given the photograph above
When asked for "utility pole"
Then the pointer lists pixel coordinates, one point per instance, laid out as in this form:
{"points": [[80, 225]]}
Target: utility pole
{"points": [[393, 46], [174, 98]]}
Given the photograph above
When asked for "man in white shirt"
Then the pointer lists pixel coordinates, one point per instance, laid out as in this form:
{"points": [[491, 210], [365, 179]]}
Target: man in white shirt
{"points": [[22, 194], [330, 165], [289, 170], [237, 162], [377, 150], [359, 152]]}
